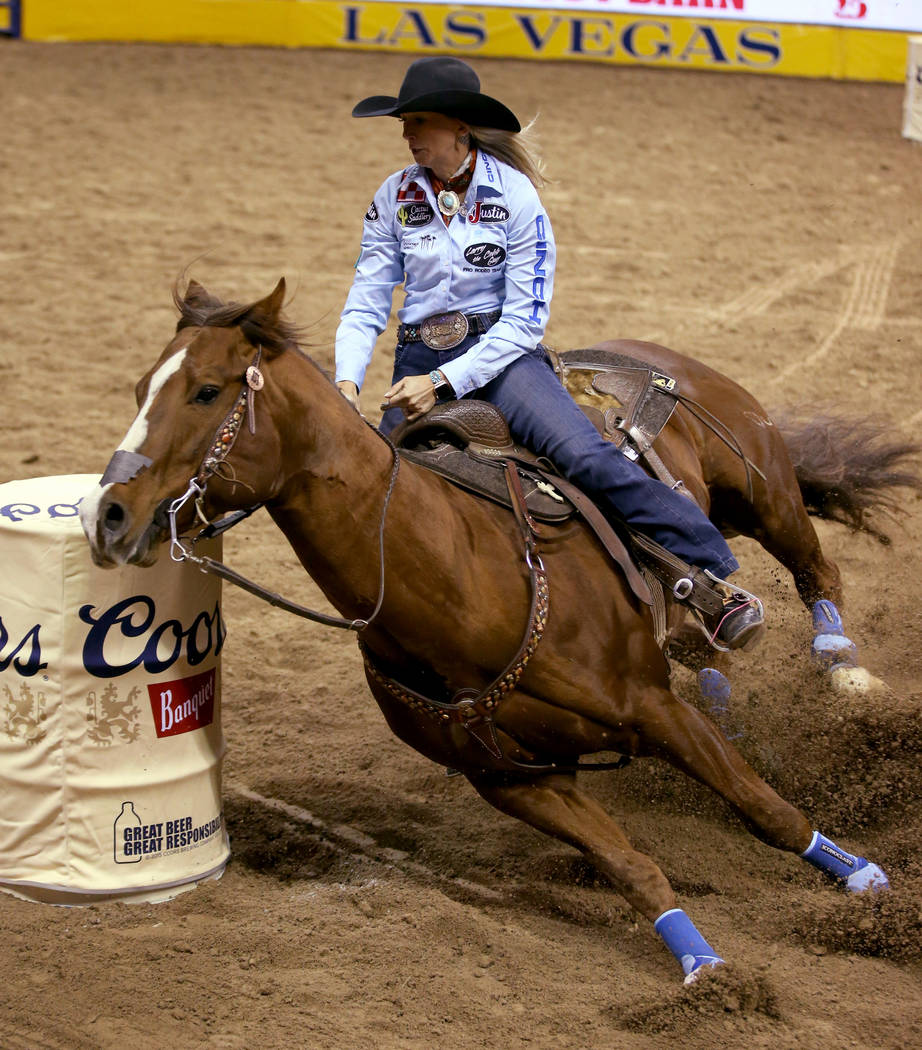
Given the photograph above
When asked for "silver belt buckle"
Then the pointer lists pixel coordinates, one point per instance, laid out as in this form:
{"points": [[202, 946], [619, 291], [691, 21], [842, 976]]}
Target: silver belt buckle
{"points": [[444, 331]]}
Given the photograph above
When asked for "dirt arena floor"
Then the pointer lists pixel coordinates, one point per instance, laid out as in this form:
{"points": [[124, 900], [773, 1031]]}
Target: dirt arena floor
{"points": [[769, 226]]}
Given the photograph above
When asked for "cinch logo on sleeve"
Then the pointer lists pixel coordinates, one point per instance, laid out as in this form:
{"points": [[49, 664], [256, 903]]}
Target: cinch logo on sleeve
{"points": [[184, 705], [539, 281]]}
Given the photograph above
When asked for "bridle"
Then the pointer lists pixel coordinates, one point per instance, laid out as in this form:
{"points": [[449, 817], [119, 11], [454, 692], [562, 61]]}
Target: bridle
{"points": [[181, 549]]}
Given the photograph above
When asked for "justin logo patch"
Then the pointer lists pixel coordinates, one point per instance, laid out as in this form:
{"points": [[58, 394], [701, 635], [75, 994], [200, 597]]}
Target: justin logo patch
{"points": [[372, 214], [486, 212]]}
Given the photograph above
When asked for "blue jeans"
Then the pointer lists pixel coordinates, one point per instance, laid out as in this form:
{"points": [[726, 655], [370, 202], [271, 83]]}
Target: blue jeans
{"points": [[543, 417]]}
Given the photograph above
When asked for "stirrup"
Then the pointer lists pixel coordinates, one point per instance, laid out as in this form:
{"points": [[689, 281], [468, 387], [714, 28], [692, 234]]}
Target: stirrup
{"points": [[719, 591]]}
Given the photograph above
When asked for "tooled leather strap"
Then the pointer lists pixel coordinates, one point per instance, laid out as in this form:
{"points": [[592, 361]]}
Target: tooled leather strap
{"points": [[227, 432], [469, 708]]}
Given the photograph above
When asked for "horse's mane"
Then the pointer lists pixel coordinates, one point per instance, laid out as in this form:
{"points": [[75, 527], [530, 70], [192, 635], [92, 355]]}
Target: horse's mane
{"points": [[199, 308]]}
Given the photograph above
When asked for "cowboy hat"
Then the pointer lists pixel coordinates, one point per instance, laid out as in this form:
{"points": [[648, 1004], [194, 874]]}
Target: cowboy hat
{"points": [[441, 85]]}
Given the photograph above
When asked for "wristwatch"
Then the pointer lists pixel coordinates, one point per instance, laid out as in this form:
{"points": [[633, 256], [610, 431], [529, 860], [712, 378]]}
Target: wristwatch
{"points": [[442, 386]]}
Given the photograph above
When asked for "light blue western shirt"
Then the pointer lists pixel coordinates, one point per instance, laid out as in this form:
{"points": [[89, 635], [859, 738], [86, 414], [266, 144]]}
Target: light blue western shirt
{"points": [[497, 253]]}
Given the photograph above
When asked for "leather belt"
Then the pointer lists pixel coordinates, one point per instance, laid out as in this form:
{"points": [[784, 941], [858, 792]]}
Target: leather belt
{"points": [[477, 324]]}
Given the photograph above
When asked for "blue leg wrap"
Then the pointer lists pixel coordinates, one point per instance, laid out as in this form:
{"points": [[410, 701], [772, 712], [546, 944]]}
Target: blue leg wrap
{"points": [[715, 689], [831, 648], [685, 942], [857, 873]]}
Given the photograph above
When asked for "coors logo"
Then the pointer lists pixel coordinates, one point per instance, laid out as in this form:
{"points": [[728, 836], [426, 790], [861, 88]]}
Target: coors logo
{"points": [[127, 635]]}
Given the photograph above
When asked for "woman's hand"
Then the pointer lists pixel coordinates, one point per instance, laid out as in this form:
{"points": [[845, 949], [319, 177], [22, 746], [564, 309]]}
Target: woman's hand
{"points": [[414, 394], [350, 392]]}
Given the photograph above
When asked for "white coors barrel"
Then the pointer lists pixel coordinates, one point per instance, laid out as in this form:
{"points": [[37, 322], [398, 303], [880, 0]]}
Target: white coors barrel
{"points": [[110, 715]]}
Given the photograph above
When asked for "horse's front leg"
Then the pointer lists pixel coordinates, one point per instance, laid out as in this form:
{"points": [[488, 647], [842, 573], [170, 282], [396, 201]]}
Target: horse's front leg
{"points": [[555, 805]]}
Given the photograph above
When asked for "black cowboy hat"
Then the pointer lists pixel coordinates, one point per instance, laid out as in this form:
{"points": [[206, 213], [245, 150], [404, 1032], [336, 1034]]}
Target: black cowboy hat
{"points": [[441, 85]]}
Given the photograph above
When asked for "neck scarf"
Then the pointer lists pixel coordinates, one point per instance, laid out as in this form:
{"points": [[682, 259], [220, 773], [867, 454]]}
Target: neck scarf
{"points": [[450, 193]]}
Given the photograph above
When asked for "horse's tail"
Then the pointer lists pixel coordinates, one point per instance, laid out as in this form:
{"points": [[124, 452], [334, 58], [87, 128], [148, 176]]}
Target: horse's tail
{"points": [[847, 468]]}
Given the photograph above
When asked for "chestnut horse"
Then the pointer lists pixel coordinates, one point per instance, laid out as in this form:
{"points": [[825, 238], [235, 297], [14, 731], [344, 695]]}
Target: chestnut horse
{"points": [[437, 584]]}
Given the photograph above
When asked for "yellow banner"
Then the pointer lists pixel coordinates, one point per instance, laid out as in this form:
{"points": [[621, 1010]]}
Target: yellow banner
{"points": [[670, 43]]}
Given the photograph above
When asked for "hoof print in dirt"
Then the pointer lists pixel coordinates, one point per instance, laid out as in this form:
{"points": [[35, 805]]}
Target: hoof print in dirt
{"points": [[726, 991], [882, 925]]}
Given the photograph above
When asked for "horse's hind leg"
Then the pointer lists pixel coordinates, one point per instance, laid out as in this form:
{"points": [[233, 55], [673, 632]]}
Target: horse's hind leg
{"points": [[677, 732], [785, 530], [783, 527], [787, 533]]}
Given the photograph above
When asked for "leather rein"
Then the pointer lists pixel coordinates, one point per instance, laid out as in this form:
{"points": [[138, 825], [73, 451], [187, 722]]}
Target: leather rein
{"points": [[472, 709]]}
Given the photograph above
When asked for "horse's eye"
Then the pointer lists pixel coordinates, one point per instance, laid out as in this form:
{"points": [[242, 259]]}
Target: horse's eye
{"points": [[207, 394]]}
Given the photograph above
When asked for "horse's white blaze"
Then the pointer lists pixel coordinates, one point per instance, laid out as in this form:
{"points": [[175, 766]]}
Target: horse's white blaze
{"points": [[137, 432], [133, 440]]}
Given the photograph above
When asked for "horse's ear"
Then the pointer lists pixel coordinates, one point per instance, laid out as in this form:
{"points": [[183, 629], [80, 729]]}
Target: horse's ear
{"points": [[195, 294], [272, 305]]}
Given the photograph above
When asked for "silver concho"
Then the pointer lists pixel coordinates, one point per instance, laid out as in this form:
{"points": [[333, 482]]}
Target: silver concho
{"points": [[449, 202], [254, 378], [444, 331]]}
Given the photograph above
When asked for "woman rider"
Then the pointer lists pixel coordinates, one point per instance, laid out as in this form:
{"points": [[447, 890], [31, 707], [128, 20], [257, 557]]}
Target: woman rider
{"points": [[464, 228]]}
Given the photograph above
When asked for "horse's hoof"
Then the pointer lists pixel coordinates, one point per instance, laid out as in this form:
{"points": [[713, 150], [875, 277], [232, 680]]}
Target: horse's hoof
{"points": [[694, 964], [856, 681], [715, 690], [868, 877]]}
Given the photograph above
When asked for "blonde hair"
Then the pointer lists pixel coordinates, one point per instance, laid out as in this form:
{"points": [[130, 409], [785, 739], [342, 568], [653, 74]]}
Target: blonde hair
{"points": [[518, 149]]}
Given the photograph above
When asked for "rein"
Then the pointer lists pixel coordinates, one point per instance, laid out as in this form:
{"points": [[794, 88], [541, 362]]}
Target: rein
{"points": [[724, 433]]}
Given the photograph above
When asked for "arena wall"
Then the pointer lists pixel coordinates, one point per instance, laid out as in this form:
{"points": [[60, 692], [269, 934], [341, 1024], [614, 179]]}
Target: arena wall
{"points": [[844, 41], [9, 18]]}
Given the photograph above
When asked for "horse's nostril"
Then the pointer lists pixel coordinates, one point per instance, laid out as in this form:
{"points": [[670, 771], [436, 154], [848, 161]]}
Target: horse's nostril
{"points": [[114, 517]]}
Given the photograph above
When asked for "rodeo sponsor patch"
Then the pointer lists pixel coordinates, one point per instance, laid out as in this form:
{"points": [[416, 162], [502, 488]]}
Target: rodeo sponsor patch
{"points": [[414, 214], [411, 192], [485, 256], [372, 214], [183, 705], [483, 211]]}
